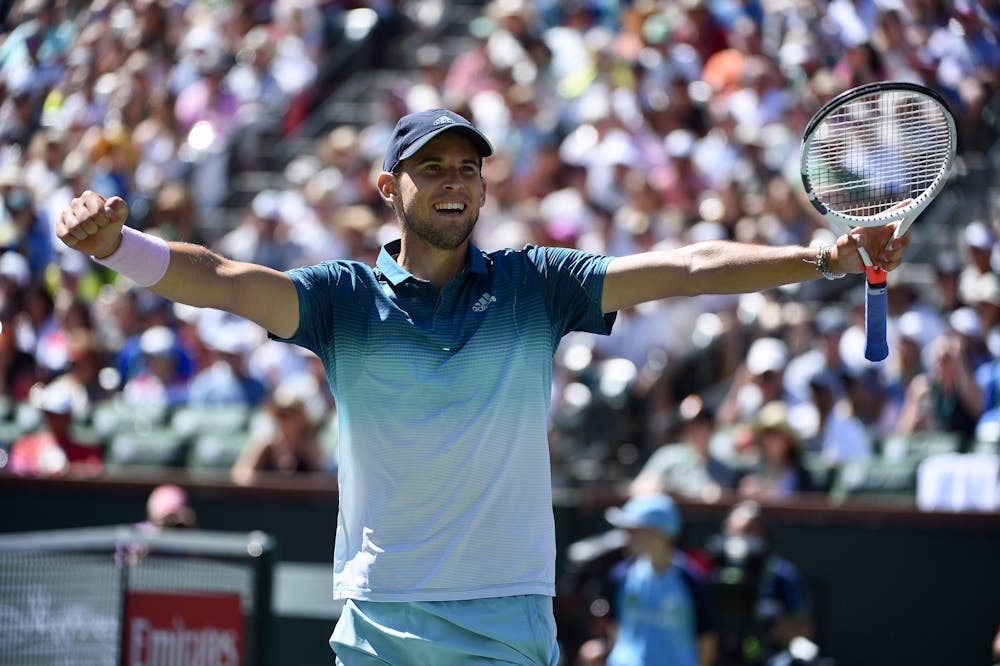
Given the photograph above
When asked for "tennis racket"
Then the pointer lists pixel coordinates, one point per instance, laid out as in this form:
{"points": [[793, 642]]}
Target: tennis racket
{"points": [[872, 155]]}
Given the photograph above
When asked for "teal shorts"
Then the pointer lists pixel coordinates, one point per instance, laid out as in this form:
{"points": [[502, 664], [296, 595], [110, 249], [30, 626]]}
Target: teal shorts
{"points": [[497, 630]]}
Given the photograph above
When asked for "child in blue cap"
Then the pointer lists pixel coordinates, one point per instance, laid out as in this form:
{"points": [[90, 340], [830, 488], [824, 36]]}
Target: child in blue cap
{"points": [[658, 601]]}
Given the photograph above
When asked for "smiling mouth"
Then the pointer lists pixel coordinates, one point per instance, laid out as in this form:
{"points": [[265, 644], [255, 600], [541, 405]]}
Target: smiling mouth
{"points": [[450, 207]]}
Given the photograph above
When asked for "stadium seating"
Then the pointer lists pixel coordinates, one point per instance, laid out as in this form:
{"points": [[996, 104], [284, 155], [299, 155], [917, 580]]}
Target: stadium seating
{"points": [[158, 447], [215, 451], [920, 445], [195, 420], [875, 477], [112, 417]]}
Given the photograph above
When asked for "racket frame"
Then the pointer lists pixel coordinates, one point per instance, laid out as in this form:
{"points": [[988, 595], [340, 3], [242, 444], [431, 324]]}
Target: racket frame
{"points": [[907, 213], [876, 278]]}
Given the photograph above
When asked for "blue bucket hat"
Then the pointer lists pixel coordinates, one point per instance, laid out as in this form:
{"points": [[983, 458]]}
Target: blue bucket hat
{"points": [[414, 130], [655, 511]]}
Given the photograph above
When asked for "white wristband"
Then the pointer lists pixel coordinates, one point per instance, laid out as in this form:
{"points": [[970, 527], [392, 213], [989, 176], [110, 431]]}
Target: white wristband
{"points": [[140, 257]]}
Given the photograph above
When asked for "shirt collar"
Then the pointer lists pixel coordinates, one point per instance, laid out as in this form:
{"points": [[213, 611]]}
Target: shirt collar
{"points": [[477, 262]]}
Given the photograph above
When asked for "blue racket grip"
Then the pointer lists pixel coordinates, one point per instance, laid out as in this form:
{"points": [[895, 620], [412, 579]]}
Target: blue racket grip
{"points": [[876, 309]]}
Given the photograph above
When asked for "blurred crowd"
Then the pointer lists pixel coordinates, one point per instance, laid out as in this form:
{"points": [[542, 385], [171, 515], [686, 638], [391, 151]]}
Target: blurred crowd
{"points": [[619, 127]]}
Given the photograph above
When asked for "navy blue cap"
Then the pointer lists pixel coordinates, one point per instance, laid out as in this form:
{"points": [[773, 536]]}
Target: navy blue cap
{"points": [[413, 131]]}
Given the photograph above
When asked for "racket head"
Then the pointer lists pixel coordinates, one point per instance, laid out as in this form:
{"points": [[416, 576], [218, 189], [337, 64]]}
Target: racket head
{"points": [[878, 153]]}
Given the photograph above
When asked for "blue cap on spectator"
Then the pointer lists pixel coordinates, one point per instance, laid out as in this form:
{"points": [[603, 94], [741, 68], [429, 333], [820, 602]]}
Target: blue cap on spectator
{"points": [[655, 511], [414, 130]]}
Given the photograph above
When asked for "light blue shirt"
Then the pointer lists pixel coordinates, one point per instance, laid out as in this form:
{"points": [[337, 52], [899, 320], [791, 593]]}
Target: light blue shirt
{"points": [[445, 488], [657, 618]]}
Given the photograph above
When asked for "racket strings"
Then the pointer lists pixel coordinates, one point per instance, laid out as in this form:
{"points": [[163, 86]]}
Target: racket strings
{"points": [[876, 151]]}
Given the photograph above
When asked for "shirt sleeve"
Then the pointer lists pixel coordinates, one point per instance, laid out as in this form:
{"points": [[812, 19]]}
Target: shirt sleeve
{"points": [[324, 290], [573, 283]]}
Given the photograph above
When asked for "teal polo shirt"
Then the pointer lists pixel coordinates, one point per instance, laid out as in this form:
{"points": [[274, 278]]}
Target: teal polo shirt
{"points": [[443, 397]]}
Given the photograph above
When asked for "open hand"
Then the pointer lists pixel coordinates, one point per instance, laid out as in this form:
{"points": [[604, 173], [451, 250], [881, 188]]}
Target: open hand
{"points": [[93, 224]]}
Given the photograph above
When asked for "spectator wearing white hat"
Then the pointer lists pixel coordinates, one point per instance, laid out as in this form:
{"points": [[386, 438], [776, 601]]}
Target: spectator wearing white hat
{"points": [[966, 322], [51, 449], [263, 234], [225, 380], [977, 243], [160, 382], [986, 301], [14, 276], [758, 381]]}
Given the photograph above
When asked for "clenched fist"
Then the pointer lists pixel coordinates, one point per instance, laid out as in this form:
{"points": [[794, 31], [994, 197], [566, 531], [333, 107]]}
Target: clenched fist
{"points": [[93, 224]]}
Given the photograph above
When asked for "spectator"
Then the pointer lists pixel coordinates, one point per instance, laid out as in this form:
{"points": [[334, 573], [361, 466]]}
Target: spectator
{"points": [[986, 301], [52, 449], [14, 277], [263, 235], [758, 382], [687, 467], [160, 382], [948, 269], [768, 596], [224, 380], [168, 507], [873, 403], [173, 215], [18, 371], [206, 112], [946, 397], [86, 358], [824, 338], [842, 436], [659, 601], [977, 243], [289, 443], [31, 235], [778, 472]]}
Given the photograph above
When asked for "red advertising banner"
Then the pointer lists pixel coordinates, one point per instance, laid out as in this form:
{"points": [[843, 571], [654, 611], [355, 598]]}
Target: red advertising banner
{"points": [[171, 629]]}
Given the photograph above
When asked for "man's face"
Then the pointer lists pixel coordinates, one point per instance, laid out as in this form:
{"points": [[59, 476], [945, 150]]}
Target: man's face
{"points": [[440, 191]]}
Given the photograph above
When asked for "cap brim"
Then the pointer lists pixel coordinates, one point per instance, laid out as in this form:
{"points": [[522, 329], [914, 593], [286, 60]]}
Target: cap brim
{"points": [[479, 140], [619, 518]]}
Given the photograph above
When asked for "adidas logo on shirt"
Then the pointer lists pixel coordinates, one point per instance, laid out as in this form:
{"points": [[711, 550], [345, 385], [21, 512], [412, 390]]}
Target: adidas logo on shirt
{"points": [[484, 302]]}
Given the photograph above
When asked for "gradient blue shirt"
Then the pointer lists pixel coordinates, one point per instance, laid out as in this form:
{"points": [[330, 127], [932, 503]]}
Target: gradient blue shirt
{"points": [[443, 396]]}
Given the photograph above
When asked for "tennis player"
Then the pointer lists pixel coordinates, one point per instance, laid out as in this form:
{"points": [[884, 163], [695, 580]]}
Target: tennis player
{"points": [[440, 359]]}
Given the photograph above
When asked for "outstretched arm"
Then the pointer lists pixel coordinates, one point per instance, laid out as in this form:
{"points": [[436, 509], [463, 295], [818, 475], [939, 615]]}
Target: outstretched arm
{"points": [[726, 267], [194, 275]]}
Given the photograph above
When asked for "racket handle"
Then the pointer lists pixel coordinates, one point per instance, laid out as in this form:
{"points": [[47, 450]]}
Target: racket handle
{"points": [[876, 309]]}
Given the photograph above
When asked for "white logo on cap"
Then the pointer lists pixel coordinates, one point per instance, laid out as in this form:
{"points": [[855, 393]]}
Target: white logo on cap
{"points": [[443, 120]]}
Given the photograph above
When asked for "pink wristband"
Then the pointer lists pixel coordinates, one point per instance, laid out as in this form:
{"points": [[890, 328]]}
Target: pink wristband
{"points": [[140, 257]]}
